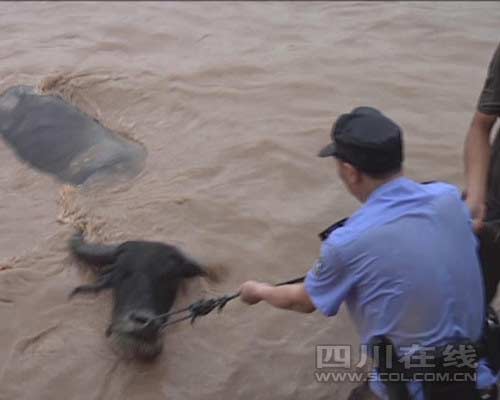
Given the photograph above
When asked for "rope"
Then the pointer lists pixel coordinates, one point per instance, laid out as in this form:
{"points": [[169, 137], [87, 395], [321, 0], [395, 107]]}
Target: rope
{"points": [[204, 307]]}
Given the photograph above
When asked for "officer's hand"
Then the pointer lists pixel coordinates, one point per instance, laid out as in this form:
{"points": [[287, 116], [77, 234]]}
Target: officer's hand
{"points": [[250, 292]]}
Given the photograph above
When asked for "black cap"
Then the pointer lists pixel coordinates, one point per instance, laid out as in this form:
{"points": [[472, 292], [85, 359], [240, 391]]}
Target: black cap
{"points": [[367, 139]]}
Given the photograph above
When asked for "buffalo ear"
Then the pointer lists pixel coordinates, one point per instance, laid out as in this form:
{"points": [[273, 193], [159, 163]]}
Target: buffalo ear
{"points": [[191, 268], [213, 272]]}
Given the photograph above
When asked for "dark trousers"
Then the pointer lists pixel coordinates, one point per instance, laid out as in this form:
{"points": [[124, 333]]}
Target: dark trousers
{"points": [[490, 236], [489, 252], [451, 391], [441, 381], [438, 390], [363, 392]]}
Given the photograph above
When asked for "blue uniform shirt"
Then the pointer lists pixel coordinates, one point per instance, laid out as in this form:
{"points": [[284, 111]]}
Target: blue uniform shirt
{"points": [[406, 265]]}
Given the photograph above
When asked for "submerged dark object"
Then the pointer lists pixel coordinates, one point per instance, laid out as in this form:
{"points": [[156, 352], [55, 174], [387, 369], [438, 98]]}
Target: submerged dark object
{"points": [[57, 138], [144, 277]]}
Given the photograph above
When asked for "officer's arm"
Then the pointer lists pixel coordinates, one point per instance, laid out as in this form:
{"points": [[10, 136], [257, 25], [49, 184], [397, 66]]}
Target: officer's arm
{"points": [[289, 297], [477, 157]]}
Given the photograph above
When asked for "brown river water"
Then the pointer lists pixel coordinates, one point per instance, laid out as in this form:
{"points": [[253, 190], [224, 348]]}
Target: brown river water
{"points": [[232, 102]]}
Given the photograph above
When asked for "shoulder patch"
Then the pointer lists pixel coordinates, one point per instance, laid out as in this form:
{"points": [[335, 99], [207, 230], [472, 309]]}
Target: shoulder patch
{"points": [[318, 267]]}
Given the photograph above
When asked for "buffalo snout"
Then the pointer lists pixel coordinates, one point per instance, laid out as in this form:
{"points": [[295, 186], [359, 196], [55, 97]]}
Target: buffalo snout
{"points": [[142, 324]]}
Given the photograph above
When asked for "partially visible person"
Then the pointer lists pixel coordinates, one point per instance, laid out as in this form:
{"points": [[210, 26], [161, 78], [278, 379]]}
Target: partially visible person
{"points": [[482, 167], [482, 170], [479, 153], [405, 263]]}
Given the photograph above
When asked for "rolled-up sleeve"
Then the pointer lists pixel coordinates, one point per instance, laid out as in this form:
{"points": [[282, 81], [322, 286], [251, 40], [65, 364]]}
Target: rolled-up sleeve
{"points": [[489, 100], [328, 282]]}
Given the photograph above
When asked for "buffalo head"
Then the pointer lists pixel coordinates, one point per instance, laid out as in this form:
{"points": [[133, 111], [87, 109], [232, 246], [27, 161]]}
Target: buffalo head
{"points": [[144, 277]]}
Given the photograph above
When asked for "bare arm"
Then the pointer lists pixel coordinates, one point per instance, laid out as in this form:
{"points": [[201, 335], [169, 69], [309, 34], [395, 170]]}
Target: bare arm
{"points": [[289, 297], [477, 158]]}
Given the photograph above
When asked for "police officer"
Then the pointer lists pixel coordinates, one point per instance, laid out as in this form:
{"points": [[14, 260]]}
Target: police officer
{"points": [[405, 263]]}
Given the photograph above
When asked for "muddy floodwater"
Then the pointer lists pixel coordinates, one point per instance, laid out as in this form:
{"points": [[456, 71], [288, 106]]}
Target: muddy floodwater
{"points": [[231, 102]]}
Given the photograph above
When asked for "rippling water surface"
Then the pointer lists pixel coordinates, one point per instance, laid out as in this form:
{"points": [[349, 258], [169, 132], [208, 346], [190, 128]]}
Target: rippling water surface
{"points": [[232, 102]]}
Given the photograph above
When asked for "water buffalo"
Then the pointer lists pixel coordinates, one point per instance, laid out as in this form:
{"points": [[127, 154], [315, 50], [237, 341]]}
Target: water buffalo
{"points": [[144, 277]]}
